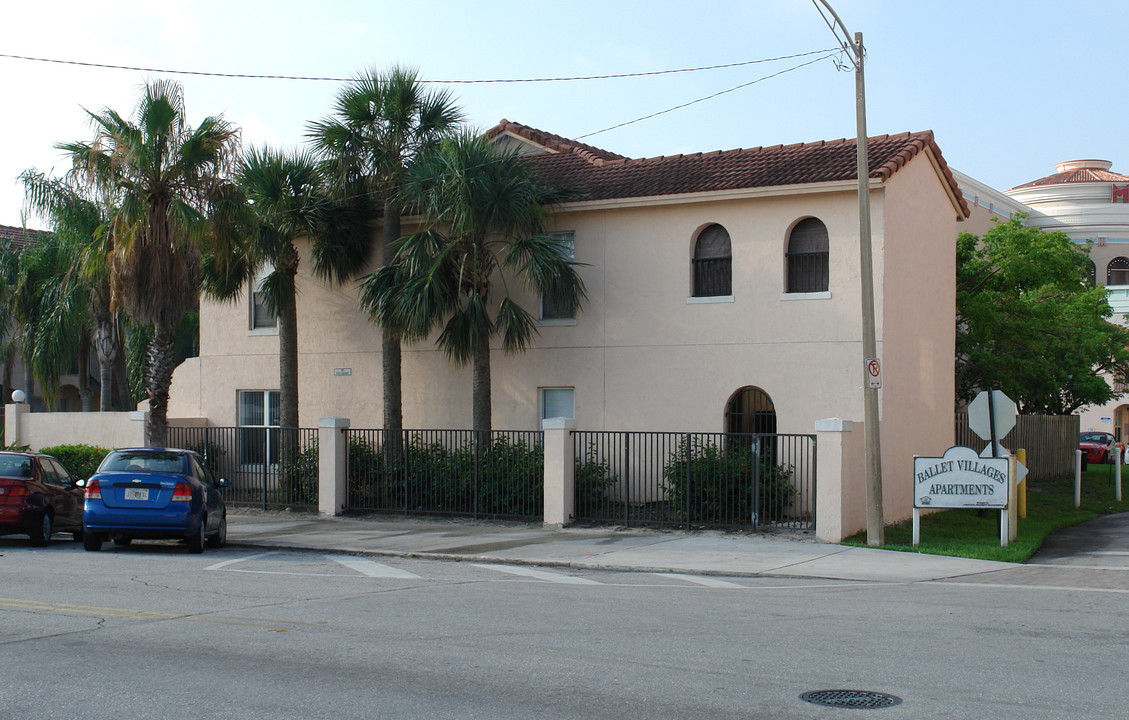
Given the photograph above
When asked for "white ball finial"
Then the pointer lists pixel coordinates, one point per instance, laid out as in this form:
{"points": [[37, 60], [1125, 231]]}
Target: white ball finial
{"points": [[19, 396]]}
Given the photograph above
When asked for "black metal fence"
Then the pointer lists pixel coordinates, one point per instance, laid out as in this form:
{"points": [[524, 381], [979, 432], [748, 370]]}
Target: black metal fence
{"points": [[447, 472], [695, 479], [267, 467]]}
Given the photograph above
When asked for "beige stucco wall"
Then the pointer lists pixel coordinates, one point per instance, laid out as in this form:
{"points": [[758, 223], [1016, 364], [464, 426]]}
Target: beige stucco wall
{"points": [[641, 356], [919, 343]]}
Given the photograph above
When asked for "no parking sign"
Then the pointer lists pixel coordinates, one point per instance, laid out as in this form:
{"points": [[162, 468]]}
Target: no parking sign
{"points": [[873, 374]]}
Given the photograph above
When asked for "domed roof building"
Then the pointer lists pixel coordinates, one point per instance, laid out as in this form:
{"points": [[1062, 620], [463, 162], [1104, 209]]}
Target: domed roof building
{"points": [[1088, 201]]}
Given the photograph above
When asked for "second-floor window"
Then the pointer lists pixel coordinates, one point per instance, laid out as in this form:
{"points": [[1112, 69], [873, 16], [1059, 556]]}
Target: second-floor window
{"points": [[261, 317], [549, 310], [713, 263], [808, 257]]}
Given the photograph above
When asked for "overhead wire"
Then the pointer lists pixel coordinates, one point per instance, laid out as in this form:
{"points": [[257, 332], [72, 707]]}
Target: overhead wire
{"points": [[248, 76], [822, 55]]}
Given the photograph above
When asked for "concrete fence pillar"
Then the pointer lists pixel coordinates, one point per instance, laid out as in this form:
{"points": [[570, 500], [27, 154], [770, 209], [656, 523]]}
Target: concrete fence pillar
{"points": [[840, 504], [140, 422], [13, 423], [559, 471], [333, 452]]}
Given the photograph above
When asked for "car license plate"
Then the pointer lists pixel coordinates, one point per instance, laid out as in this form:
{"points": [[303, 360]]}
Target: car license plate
{"points": [[137, 493]]}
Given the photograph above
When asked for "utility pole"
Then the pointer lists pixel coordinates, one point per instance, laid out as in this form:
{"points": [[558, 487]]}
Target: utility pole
{"points": [[875, 527]]}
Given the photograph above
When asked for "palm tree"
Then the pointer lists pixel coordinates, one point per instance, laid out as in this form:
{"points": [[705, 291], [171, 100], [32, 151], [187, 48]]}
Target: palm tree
{"points": [[381, 124], [53, 309], [486, 211], [166, 177], [289, 200], [79, 222]]}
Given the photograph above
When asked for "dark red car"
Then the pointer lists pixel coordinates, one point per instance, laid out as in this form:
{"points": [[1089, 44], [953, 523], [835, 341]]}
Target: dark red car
{"points": [[1096, 447], [38, 496]]}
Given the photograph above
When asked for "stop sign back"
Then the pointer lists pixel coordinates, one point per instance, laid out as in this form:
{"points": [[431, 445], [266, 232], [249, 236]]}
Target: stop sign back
{"points": [[980, 416]]}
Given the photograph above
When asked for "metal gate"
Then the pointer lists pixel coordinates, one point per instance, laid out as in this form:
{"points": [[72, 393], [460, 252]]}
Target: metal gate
{"points": [[723, 480]]}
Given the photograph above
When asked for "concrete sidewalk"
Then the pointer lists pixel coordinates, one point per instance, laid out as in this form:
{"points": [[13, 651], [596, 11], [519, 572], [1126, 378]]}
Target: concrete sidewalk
{"points": [[706, 552]]}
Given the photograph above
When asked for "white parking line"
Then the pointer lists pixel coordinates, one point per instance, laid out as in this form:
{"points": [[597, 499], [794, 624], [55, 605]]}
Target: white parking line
{"points": [[539, 574], [225, 563], [1105, 552], [1078, 567], [372, 569], [699, 580], [1006, 586]]}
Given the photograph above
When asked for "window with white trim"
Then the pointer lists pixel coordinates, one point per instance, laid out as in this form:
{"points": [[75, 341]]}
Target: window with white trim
{"points": [[557, 403], [713, 263], [808, 257], [258, 420], [549, 311], [260, 317]]}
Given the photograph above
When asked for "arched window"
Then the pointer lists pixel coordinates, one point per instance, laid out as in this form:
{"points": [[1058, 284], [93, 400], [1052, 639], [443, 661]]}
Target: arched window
{"points": [[750, 410], [1092, 273], [808, 257], [1117, 272], [713, 263]]}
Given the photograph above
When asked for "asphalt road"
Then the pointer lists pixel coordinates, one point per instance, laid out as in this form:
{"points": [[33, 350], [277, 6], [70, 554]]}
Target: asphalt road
{"points": [[150, 631]]}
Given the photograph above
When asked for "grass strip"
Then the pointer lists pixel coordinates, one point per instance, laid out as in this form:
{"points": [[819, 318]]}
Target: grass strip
{"points": [[976, 533]]}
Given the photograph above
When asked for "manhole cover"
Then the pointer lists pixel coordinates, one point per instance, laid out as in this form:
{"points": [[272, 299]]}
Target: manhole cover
{"points": [[851, 698]]}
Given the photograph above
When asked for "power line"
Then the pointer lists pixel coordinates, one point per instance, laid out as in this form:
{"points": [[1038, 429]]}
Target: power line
{"points": [[106, 66], [830, 54]]}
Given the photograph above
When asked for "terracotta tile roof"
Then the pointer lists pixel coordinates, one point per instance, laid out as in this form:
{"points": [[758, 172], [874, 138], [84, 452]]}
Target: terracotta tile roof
{"points": [[19, 237], [601, 175], [1077, 175], [553, 142]]}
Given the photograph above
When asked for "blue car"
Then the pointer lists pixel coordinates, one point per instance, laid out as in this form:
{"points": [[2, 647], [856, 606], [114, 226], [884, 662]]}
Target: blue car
{"points": [[154, 493]]}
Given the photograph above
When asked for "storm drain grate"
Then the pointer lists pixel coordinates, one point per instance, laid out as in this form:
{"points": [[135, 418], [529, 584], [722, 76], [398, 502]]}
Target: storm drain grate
{"points": [[851, 699]]}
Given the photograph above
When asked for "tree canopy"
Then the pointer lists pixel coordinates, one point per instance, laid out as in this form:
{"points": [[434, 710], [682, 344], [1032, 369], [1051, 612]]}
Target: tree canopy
{"points": [[1031, 323]]}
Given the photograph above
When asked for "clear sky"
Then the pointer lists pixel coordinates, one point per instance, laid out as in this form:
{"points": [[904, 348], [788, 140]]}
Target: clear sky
{"points": [[1010, 87]]}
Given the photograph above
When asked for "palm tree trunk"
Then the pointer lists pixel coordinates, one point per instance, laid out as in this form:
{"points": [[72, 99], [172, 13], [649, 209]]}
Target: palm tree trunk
{"points": [[162, 360], [391, 359], [480, 388], [288, 386], [288, 351], [106, 348], [123, 397]]}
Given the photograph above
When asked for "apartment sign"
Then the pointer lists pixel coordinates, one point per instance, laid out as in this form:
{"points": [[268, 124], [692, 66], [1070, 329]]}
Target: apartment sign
{"points": [[1122, 193], [960, 479]]}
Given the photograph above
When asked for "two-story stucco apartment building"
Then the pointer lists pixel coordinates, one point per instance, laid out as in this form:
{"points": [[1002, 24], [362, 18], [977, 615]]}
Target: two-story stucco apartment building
{"points": [[718, 283]]}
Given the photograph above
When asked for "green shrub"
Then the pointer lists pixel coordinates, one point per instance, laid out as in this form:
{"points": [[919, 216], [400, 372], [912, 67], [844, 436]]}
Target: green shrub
{"points": [[706, 483], [429, 477], [213, 453], [81, 461], [298, 476], [592, 477]]}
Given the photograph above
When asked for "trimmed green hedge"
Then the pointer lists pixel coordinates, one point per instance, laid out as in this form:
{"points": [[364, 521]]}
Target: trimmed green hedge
{"points": [[80, 460]]}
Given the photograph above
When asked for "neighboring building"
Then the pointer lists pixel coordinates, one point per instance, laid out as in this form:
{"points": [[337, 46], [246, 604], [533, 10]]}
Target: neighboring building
{"points": [[724, 295], [1089, 202]]}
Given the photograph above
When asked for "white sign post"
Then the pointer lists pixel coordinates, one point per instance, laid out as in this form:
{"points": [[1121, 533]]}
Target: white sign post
{"points": [[959, 479]]}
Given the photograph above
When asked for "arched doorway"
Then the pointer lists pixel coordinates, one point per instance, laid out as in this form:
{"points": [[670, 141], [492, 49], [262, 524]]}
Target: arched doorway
{"points": [[750, 410]]}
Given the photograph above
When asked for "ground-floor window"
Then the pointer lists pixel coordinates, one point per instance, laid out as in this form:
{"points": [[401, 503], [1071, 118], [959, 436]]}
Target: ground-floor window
{"points": [[557, 403], [258, 420], [750, 410]]}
